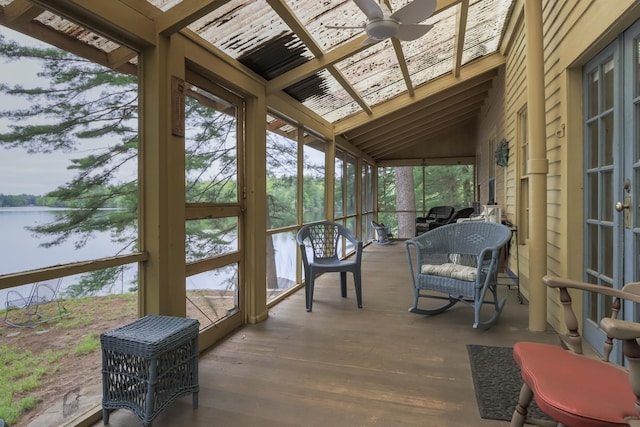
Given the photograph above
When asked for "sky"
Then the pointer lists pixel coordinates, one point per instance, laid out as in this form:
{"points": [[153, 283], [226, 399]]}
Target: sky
{"points": [[21, 172]]}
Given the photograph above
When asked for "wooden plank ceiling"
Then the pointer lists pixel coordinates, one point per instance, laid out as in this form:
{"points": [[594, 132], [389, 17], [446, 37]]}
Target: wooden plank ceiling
{"points": [[385, 99]]}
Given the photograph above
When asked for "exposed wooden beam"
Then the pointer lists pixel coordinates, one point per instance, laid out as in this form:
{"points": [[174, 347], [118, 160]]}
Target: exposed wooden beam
{"points": [[422, 126], [21, 12], [486, 64], [333, 56], [403, 66], [300, 113], [352, 149], [445, 4], [52, 37], [317, 64], [458, 47], [113, 19], [421, 137], [469, 89], [287, 15], [350, 89], [184, 13], [120, 56], [292, 21], [417, 123], [432, 161], [442, 128]]}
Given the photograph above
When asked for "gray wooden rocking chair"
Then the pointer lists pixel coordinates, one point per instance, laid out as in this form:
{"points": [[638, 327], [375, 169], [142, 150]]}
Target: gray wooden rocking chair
{"points": [[461, 261]]}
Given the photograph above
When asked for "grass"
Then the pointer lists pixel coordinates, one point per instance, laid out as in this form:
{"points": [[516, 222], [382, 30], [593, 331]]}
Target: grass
{"points": [[88, 344], [21, 372], [27, 365], [34, 360]]}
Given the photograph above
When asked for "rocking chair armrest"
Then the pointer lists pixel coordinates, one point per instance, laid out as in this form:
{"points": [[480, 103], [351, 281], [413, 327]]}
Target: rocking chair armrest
{"points": [[625, 293], [16, 300], [630, 292], [620, 329]]}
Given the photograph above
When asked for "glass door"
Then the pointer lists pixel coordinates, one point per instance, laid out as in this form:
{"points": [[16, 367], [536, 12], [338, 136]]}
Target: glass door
{"points": [[214, 206], [612, 177]]}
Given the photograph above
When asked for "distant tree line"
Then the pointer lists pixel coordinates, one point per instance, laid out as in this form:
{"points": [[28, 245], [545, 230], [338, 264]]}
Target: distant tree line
{"points": [[22, 200]]}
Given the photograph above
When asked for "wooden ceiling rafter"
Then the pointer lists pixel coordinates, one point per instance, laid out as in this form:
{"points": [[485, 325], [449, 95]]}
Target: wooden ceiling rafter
{"points": [[289, 18], [439, 101], [109, 19], [461, 24], [414, 124], [19, 13], [485, 68], [317, 64], [419, 128], [185, 13], [402, 62], [444, 127], [39, 31], [452, 98]]}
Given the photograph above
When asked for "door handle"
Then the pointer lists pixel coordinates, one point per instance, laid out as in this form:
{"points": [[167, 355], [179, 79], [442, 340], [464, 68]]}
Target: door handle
{"points": [[626, 207]]}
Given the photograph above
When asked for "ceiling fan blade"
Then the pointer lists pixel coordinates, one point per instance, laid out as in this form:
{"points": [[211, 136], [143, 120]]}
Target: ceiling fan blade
{"points": [[408, 32], [414, 12], [369, 41], [371, 9]]}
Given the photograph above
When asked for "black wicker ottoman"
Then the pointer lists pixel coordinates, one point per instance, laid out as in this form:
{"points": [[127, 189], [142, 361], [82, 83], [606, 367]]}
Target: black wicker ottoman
{"points": [[148, 364]]}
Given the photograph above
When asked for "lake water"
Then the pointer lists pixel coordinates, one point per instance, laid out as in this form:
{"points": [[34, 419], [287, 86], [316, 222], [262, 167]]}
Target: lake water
{"points": [[21, 250]]}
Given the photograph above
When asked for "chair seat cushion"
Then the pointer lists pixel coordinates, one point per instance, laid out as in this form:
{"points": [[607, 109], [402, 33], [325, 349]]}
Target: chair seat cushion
{"points": [[448, 269], [573, 389]]}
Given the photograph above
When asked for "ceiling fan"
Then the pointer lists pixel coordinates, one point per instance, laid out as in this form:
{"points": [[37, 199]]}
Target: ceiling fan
{"points": [[402, 24]]}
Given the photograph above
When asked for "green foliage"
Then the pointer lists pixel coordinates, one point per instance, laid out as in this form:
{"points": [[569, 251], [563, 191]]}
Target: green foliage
{"points": [[82, 104], [282, 183], [313, 199], [211, 161], [92, 112], [94, 283], [386, 189], [434, 186], [448, 185]]}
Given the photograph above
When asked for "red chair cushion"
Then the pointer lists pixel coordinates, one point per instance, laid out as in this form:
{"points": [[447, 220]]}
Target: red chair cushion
{"points": [[573, 389]]}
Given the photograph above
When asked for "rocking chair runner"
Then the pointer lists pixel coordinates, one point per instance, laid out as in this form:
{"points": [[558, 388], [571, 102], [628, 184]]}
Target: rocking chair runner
{"points": [[461, 261], [576, 390]]}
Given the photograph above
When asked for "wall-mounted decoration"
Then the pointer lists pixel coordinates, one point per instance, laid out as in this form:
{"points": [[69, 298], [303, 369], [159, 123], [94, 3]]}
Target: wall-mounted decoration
{"points": [[177, 106], [502, 153]]}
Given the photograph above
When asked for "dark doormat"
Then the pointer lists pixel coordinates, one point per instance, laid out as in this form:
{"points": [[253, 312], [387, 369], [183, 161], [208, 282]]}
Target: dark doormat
{"points": [[497, 382]]}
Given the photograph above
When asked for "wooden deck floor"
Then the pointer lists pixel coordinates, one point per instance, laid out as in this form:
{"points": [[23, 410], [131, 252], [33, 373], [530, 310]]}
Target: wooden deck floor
{"points": [[344, 366]]}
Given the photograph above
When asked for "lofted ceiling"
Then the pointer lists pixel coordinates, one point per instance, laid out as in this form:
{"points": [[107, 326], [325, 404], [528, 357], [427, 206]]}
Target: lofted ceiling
{"points": [[390, 100]]}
